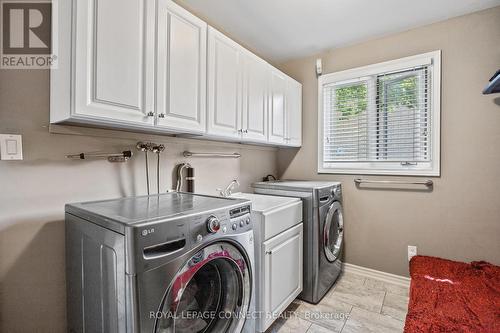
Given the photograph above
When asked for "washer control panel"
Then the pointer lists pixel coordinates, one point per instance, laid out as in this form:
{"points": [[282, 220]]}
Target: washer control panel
{"points": [[240, 218], [218, 223]]}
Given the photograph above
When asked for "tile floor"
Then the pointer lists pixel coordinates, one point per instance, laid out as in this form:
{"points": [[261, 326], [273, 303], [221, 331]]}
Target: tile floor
{"points": [[356, 304]]}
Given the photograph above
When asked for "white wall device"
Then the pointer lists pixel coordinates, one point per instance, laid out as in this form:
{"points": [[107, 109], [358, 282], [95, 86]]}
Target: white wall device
{"points": [[412, 251], [11, 147], [319, 67]]}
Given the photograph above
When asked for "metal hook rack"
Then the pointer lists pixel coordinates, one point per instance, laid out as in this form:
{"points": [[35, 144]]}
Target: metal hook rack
{"points": [[124, 156], [223, 155]]}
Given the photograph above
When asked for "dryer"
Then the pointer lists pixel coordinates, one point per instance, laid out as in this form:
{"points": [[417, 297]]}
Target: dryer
{"points": [[323, 231], [175, 262]]}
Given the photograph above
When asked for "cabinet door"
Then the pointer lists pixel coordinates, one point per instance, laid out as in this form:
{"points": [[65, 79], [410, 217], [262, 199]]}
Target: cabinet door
{"points": [[224, 86], [293, 113], [114, 62], [255, 98], [277, 100], [282, 270], [181, 71]]}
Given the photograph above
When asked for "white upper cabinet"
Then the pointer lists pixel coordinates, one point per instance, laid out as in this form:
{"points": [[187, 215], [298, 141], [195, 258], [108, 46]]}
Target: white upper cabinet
{"points": [[238, 83], [113, 68], [277, 108], [285, 110], [224, 86], [293, 113], [154, 67], [181, 69], [255, 98]]}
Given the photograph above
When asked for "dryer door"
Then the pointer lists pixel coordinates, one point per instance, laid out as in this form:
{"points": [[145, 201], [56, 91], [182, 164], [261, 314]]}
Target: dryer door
{"points": [[211, 293], [333, 232]]}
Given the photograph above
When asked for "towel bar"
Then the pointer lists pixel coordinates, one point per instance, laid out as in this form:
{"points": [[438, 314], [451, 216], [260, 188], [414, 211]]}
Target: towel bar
{"points": [[192, 154], [111, 157], [426, 182]]}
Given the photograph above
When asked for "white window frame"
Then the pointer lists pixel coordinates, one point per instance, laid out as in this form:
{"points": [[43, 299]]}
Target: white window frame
{"points": [[431, 168]]}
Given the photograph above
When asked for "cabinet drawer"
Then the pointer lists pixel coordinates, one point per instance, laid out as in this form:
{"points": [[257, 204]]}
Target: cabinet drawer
{"points": [[281, 219]]}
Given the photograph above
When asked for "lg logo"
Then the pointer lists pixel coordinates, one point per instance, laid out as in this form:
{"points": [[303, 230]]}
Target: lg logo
{"points": [[27, 34], [146, 232]]}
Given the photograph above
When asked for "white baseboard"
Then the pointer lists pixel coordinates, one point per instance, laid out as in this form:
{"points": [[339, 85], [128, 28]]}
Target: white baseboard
{"points": [[377, 275]]}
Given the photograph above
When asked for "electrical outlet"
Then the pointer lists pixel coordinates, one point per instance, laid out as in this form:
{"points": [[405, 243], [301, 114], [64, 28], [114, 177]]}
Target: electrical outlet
{"points": [[412, 251]]}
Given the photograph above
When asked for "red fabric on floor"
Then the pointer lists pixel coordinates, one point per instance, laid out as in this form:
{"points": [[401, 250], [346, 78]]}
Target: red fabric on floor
{"points": [[450, 296]]}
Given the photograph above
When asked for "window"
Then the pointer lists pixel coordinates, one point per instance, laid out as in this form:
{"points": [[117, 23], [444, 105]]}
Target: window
{"points": [[382, 118]]}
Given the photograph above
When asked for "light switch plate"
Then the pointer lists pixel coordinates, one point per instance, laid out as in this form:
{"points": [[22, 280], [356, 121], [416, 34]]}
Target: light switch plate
{"points": [[11, 147]]}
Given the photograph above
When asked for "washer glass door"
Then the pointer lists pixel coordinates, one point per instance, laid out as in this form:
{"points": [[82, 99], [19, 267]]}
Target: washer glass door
{"points": [[333, 232], [211, 293]]}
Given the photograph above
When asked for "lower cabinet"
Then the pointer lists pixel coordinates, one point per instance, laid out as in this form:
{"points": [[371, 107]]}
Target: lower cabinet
{"points": [[282, 272]]}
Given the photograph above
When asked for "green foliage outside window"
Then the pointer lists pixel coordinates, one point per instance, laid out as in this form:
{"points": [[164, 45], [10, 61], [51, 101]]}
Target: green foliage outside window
{"points": [[399, 93], [351, 100], [395, 93]]}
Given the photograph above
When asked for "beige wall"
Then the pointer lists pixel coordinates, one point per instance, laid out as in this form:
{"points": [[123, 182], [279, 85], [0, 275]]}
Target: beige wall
{"points": [[460, 218], [33, 193]]}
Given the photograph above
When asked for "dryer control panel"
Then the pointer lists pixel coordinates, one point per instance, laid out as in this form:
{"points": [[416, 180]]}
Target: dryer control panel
{"points": [[325, 196]]}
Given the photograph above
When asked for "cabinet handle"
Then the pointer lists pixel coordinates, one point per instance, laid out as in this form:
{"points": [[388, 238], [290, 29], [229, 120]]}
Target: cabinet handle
{"points": [[240, 131], [269, 252], [245, 131], [151, 114], [161, 115]]}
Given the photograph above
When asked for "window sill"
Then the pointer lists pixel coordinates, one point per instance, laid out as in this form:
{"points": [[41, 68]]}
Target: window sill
{"points": [[401, 172]]}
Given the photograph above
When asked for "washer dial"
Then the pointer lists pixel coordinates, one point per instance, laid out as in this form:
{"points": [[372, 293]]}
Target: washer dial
{"points": [[213, 224]]}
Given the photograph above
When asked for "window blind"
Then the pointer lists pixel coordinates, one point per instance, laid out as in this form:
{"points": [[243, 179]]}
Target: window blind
{"points": [[383, 117]]}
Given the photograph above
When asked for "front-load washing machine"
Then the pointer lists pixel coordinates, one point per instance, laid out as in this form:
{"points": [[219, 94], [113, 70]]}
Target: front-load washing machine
{"points": [[174, 262], [323, 230]]}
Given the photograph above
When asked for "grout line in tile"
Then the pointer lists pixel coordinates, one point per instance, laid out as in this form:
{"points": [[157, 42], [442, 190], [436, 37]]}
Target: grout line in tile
{"points": [[318, 324], [345, 321], [308, 327], [343, 325], [383, 301], [327, 327]]}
